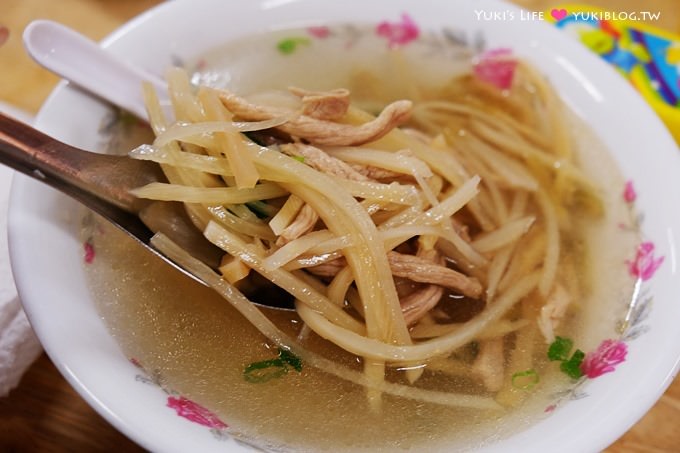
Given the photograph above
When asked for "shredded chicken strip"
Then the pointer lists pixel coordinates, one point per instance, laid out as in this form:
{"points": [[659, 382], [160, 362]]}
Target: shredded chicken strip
{"points": [[320, 160], [416, 269], [304, 223], [422, 270], [323, 105], [552, 312], [489, 364], [329, 268], [375, 173], [322, 132], [417, 304]]}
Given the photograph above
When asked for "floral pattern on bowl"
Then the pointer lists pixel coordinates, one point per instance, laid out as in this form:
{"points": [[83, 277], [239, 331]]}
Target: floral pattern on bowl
{"points": [[194, 412], [612, 352], [448, 43]]}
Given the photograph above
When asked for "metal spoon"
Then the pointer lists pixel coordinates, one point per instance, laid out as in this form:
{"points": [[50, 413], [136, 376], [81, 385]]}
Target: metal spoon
{"points": [[102, 183]]}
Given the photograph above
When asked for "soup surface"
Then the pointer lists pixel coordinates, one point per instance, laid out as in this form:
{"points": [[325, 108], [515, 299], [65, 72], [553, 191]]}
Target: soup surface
{"points": [[192, 342]]}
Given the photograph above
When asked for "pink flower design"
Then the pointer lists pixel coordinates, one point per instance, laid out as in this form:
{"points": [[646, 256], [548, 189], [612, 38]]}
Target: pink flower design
{"points": [[496, 67], [319, 32], [645, 264], [629, 194], [604, 360], [89, 251], [136, 362], [398, 33], [195, 412]]}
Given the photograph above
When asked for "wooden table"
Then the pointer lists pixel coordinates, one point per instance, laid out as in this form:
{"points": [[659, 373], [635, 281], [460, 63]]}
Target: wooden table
{"points": [[44, 413]]}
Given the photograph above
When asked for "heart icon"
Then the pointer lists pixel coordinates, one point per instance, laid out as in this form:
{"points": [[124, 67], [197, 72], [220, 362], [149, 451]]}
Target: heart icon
{"points": [[558, 14]]}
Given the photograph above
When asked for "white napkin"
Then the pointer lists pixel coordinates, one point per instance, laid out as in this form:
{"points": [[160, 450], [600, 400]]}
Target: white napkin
{"points": [[19, 346]]}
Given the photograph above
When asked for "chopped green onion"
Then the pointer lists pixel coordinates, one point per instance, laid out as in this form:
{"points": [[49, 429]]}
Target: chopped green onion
{"points": [[259, 372], [287, 46], [559, 349], [299, 158], [525, 380], [291, 359], [266, 370], [572, 367]]}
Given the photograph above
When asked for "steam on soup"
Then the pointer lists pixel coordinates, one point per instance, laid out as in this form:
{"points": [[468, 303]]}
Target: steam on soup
{"points": [[437, 222]]}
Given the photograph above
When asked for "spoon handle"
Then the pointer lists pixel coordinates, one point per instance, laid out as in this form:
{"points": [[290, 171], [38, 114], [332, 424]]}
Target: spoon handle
{"points": [[76, 58], [88, 177], [102, 183]]}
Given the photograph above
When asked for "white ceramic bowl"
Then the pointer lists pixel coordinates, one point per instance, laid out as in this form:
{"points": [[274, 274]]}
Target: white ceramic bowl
{"points": [[47, 255]]}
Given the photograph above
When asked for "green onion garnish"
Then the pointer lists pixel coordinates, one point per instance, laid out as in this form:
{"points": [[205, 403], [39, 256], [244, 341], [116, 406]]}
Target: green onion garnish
{"points": [[572, 367], [290, 359], [266, 370], [525, 380], [287, 46], [259, 372], [559, 351], [560, 348]]}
